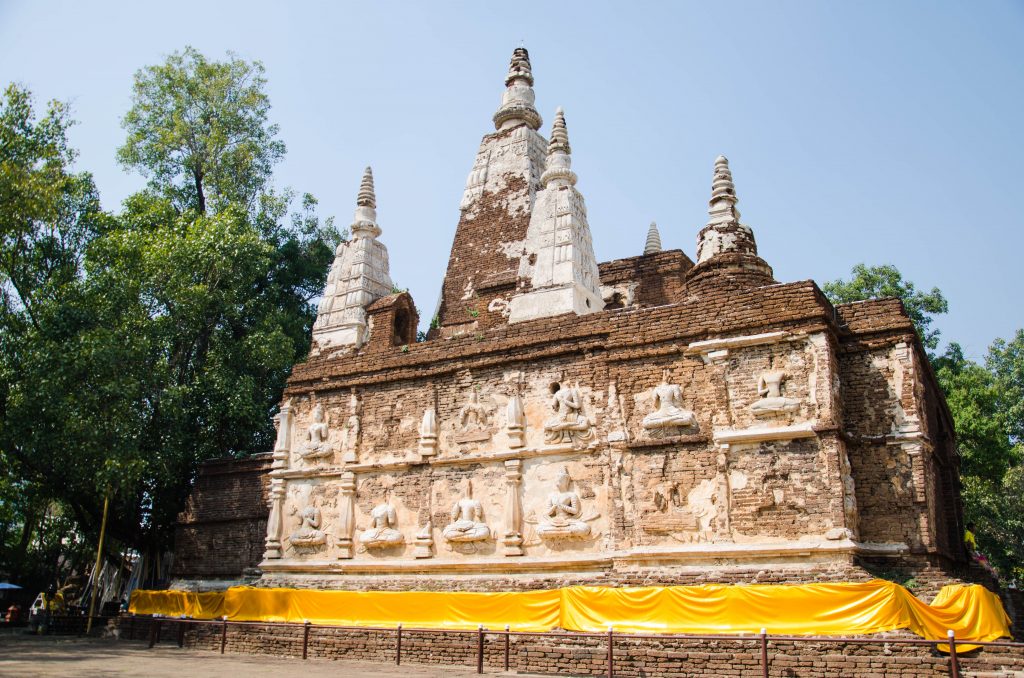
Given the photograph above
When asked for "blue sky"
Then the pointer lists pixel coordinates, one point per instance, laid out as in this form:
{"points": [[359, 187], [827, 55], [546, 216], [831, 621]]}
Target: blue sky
{"points": [[876, 132]]}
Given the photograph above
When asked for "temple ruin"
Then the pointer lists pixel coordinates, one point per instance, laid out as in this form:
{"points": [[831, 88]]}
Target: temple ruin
{"points": [[654, 419]]}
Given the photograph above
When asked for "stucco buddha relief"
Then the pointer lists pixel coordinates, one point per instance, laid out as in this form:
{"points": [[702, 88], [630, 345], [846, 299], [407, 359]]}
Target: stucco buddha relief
{"points": [[308, 536], [668, 417], [563, 517], [382, 532], [473, 421], [770, 397], [316, 448], [467, 516], [350, 434], [568, 425]]}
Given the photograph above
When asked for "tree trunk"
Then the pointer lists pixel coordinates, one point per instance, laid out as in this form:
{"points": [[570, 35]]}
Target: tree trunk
{"points": [[200, 196]]}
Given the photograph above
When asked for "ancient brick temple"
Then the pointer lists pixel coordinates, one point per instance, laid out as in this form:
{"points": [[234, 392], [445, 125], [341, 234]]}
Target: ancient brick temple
{"points": [[650, 419]]}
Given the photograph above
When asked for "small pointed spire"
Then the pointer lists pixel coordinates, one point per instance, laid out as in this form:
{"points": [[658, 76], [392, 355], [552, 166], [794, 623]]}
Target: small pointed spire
{"points": [[559, 134], [559, 160], [517, 101], [366, 197], [722, 206], [653, 244], [364, 223]]}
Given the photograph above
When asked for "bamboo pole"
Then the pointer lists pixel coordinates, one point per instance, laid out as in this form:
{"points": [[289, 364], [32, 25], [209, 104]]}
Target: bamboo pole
{"points": [[96, 569]]}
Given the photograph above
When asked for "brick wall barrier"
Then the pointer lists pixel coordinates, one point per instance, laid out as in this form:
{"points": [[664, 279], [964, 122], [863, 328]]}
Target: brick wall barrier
{"points": [[587, 654]]}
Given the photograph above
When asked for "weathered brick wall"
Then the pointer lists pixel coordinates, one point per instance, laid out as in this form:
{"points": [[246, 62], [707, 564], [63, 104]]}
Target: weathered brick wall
{"points": [[589, 655], [645, 490], [222, 530]]}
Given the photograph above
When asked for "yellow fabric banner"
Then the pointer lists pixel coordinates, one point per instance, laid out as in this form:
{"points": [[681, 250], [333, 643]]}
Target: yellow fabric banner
{"points": [[972, 612]]}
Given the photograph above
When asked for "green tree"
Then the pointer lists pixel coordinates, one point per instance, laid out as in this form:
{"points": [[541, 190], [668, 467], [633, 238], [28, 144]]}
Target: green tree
{"points": [[987, 405], [877, 282], [134, 346], [199, 130], [48, 216]]}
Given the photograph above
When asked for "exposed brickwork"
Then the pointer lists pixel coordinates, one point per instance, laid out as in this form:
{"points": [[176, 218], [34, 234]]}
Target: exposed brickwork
{"points": [[589, 655], [221, 531]]}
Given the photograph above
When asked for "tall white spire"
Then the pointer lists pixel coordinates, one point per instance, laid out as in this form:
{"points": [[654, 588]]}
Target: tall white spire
{"points": [[558, 269], [653, 244], [518, 99], [358, 277]]}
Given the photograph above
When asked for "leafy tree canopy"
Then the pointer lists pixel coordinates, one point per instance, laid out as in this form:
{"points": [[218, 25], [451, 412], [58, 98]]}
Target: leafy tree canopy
{"points": [[199, 130], [877, 282]]}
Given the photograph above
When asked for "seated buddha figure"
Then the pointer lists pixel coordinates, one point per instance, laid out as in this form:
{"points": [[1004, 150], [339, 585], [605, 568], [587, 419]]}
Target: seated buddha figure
{"points": [[382, 532], [668, 410], [467, 520], [771, 401], [316, 446], [563, 516], [309, 533]]}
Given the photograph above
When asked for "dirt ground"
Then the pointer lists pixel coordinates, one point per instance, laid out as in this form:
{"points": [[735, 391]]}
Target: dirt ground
{"points": [[25, 655]]}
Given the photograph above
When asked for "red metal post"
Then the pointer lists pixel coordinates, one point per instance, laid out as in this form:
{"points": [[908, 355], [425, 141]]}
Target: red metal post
{"points": [[223, 633], [764, 653], [305, 640], [398, 645], [507, 642], [954, 661], [480, 649], [611, 653]]}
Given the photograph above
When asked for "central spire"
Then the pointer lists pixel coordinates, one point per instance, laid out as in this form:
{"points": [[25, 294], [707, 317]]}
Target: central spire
{"points": [[517, 101]]}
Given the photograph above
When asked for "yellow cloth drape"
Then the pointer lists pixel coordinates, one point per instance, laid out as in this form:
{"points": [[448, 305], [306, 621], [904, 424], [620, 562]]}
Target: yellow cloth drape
{"points": [[972, 612]]}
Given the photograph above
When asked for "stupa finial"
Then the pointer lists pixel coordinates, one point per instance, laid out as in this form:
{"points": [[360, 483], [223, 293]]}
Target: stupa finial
{"points": [[366, 197], [722, 206], [364, 223], [517, 101], [559, 159], [653, 244]]}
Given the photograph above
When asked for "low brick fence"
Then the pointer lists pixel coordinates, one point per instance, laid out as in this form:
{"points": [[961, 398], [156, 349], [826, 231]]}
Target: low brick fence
{"points": [[588, 654]]}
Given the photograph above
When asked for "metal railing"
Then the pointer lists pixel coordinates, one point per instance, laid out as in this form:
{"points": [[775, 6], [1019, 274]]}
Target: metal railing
{"points": [[763, 639]]}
